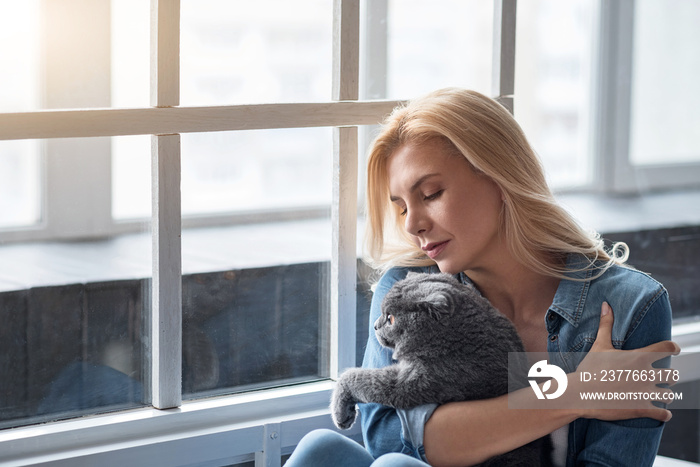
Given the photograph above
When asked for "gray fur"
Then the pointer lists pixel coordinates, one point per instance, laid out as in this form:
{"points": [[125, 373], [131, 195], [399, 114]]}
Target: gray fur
{"points": [[450, 344]]}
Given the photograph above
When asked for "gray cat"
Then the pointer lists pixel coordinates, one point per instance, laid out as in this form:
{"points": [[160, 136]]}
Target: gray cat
{"points": [[450, 344]]}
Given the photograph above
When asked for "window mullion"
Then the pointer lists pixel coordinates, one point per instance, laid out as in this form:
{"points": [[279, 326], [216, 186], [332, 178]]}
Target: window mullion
{"points": [[166, 308], [346, 51], [613, 97], [503, 66]]}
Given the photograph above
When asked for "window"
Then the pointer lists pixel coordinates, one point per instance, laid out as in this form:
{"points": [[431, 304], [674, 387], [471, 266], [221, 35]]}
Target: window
{"points": [[437, 44], [553, 86], [662, 76], [563, 85], [630, 149], [247, 133], [19, 161], [271, 331]]}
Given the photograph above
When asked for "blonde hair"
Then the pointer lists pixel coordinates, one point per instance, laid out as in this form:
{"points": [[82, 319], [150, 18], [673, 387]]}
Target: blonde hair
{"points": [[537, 229]]}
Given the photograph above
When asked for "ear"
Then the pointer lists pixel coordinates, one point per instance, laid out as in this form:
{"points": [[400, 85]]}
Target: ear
{"points": [[438, 304]]}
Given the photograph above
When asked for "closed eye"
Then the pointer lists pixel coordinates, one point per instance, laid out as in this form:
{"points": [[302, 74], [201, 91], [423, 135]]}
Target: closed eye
{"points": [[435, 195], [431, 197]]}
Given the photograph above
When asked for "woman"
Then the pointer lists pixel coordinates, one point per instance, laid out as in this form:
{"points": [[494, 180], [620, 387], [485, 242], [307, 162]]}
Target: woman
{"points": [[454, 186]]}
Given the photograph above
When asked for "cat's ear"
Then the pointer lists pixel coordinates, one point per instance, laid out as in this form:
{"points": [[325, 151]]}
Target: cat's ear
{"points": [[439, 304]]}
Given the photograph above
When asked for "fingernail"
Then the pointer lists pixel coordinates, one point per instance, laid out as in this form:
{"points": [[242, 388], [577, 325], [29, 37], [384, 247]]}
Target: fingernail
{"points": [[605, 309]]}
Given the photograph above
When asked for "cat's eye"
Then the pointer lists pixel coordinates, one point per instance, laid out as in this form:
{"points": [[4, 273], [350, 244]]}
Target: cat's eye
{"points": [[390, 319]]}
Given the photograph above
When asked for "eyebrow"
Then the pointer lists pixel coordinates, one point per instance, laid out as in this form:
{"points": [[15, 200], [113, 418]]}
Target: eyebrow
{"points": [[415, 185]]}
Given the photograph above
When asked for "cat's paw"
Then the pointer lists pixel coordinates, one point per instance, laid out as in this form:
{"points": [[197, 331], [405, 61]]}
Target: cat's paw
{"points": [[343, 409], [344, 416]]}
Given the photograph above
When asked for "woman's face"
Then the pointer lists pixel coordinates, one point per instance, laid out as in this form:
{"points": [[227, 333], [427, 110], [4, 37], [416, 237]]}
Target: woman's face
{"points": [[450, 211]]}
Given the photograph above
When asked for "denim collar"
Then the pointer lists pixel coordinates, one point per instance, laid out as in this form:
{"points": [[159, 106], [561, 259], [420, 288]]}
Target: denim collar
{"points": [[570, 297]]}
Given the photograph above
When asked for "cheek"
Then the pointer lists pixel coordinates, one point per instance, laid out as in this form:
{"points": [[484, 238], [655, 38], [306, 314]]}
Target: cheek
{"points": [[482, 215], [386, 331]]}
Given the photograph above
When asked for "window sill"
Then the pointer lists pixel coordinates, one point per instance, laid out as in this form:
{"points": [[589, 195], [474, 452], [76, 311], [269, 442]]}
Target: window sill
{"points": [[26, 265], [126, 257], [223, 428], [608, 213]]}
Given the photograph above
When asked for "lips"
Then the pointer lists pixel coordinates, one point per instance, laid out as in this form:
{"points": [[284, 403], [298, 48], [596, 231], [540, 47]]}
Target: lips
{"points": [[434, 249]]}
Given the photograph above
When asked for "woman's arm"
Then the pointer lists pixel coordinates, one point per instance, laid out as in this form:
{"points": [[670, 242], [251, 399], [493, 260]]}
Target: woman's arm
{"points": [[466, 433], [636, 440]]}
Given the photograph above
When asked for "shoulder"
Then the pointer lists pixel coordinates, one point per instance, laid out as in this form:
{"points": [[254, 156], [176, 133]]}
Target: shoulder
{"points": [[395, 274], [629, 284], [640, 306]]}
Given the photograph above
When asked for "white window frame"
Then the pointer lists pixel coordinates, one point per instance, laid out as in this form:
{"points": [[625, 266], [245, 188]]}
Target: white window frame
{"points": [[614, 170], [72, 208], [261, 425]]}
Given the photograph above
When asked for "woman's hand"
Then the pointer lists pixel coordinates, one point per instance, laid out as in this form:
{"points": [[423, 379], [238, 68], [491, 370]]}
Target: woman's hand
{"points": [[606, 370]]}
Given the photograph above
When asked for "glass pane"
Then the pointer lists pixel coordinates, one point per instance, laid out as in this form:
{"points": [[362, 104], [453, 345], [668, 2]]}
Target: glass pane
{"points": [[19, 55], [437, 44], [255, 296], [229, 172], [76, 54], [665, 123], [19, 68], [239, 52], [246, 171], [57, 54], [254, 322], [554, 44], [74, 313], [19, 183], [130, 53], [131, 177]]}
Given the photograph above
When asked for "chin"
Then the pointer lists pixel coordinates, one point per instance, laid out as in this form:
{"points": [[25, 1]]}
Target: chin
{"points": [[449, 269]]}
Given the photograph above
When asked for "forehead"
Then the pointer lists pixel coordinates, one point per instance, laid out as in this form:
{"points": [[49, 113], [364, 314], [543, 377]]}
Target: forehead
{"points": [[422, 152], [412, 161]]}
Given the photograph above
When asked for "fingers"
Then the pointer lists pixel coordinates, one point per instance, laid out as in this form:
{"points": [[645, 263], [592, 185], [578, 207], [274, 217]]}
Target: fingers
{"points": [[667, 347], [657, 413], [662, 415], [604, 337]]}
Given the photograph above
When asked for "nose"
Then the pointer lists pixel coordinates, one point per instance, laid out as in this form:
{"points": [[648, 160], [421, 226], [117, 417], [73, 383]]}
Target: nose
{"points": [[417, 222], [376, 323]]}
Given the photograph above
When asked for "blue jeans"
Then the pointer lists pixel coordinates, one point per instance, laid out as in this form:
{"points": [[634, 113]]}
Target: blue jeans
{"points": [[322, 448]]}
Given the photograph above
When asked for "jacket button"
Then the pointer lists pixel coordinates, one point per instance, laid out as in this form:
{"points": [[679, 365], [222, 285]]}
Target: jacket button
{"points": [[551, 316], [553, 338]]}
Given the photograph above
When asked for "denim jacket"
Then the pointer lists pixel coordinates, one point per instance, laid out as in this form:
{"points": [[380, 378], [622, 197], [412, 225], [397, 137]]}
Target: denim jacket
{"points": [[642, 316]]}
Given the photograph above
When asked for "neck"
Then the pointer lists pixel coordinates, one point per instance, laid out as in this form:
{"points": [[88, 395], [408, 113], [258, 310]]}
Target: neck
{"points": [[514, 289]]}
